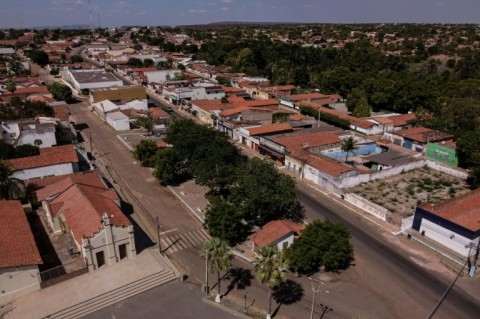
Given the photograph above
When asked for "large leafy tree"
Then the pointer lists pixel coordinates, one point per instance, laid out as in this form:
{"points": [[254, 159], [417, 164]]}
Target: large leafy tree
{"points": [[348, 146], [26, 150], [321, 244], [39, 57], [60, 92], [270, 269], [263, 194], [224, 221], [135, 62], [7, 151], [145, 152], [362, 109], [219, 259], [169, 166], [17, 109]]}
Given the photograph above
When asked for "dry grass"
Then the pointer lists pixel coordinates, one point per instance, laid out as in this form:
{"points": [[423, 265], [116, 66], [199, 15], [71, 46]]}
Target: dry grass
{"points": [[402, 193]]}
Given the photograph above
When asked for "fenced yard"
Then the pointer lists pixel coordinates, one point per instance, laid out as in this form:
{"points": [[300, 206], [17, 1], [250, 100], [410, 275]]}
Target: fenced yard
{"points": [[402, 193]]}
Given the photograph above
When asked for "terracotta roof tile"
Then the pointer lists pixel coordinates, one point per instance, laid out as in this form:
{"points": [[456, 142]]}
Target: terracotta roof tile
{"points": [[327, 165], [83, 207], [295, 143], [402, 119], [61, 184], [157, 113], [268, 129], [273, 231], [424, 135], [17, 245], [48, 156], [463, 210]]}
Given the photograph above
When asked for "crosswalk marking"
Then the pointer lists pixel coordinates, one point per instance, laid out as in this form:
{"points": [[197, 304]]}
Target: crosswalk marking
{"points": [[177, 242]]}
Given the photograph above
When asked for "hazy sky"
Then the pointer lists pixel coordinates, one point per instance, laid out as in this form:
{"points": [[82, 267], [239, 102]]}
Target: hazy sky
{"points": [[30, 13]]}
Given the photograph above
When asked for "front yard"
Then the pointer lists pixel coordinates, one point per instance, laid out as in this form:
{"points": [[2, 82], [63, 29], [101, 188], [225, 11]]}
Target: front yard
{"points": [[402, 193]]}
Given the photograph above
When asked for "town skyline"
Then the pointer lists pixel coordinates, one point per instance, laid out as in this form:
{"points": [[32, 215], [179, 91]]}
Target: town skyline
{"points": [[108, 13]]}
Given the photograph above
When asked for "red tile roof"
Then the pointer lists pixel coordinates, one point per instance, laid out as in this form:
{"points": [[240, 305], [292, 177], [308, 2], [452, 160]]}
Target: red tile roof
{"points": [[353, 120], [157, 113], [83, 207], [423, 135], [273, 231], [463, 211], [402, 119], [17, 245], [268, 129], [296, 117], [48, 156], [61, 184], [295, 143], [42, 98], [327, 165], [61, 112], [28, 90], [382, 120], [233, 102]]}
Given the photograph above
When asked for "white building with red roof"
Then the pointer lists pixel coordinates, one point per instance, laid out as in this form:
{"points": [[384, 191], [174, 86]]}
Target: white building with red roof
{"points": [[84, 207], [19, 256], [280, 233], [52, 161], [454, 223]]}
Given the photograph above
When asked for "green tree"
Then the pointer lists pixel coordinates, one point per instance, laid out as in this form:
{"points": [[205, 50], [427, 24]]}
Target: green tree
{"points": [[362, 109], [321, 244], [148, 63], [270, 269], [169, 166], [224, 221], [60, 92], [11, 87], [146, 122], [39, 57], [145, 152], [220, 256], [348, 146], [263, 194], [15, 67], [135, 62], [10, 188], [7, 151], [468, 149], [26, 150], [245, 61]]}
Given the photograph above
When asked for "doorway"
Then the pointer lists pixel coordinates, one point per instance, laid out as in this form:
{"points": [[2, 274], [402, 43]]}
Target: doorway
{"points": [[122, 249], [100, 259]]}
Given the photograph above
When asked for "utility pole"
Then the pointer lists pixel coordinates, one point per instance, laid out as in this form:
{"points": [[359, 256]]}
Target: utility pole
{"points": [[158, 237], [207, 289], [318, 118]]}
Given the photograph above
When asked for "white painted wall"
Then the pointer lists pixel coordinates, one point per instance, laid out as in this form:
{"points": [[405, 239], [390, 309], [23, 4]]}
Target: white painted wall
{"points": [[118, 121], [16, 281], [48, 138], [446, 237], [108, 240], [161, 76], [288, 239], [52, 170]]}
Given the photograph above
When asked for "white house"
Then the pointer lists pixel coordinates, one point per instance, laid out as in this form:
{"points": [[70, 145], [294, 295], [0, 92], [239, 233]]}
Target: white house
{"points": [[118, 120], [280, 233], [86, 79], [160, 76], [105, 107], [52, 161], [454, 223], [29, 132], [19, 253], [84, 207]]}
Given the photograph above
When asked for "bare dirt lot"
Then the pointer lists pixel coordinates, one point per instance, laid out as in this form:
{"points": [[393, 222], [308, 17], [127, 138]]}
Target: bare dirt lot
{"points": [[402, 193]]}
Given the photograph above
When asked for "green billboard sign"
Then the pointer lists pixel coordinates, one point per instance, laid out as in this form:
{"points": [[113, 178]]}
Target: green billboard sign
{"points": [[442, 154]]}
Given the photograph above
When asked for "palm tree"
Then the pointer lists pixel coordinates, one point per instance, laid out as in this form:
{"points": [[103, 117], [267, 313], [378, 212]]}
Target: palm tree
{"points": [[348, 145], [269, 269], [218, 253], [10, 188]]}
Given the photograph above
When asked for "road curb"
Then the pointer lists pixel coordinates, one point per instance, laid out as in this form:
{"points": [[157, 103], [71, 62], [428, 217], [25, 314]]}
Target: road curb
{"points": [[224, 308]]}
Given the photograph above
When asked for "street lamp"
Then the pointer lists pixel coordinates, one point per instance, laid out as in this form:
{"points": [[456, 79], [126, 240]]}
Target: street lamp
{"points": [[315, 288], [245, 304]]}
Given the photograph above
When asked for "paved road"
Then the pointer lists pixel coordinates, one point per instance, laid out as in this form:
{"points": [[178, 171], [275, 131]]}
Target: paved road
{"points": [[173, 301], [388, 273], [384, 283]]}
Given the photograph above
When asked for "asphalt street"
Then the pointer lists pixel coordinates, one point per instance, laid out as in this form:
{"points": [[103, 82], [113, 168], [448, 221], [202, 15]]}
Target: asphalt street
{"points": [[387, 281]]}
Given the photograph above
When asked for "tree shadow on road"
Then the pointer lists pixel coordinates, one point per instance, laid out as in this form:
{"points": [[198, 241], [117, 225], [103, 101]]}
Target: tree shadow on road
{"points": [[286, 293], [240, 278]]}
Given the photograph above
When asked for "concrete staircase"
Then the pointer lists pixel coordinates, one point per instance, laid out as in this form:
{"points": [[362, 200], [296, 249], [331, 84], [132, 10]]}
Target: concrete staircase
{"points": [[91, 305]]}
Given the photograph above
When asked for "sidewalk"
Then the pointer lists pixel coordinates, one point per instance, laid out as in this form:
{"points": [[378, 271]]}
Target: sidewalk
{"points": [[45, 302]]}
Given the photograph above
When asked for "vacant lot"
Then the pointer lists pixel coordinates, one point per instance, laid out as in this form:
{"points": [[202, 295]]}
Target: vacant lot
{"points": [[402, 193]]}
